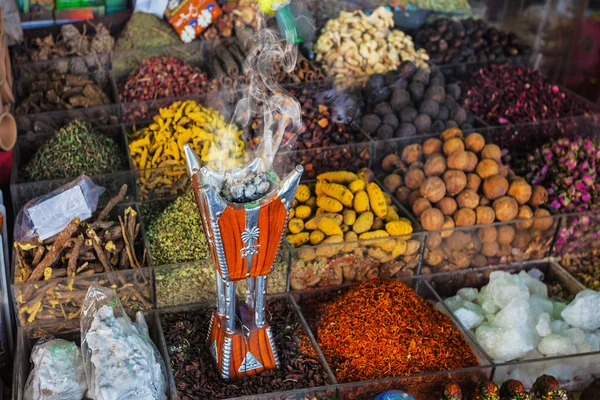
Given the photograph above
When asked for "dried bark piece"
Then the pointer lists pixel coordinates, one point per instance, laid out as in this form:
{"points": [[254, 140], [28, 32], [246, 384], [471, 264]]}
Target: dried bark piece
{"points": [[98, 249], [71, 268], [112, 203]]}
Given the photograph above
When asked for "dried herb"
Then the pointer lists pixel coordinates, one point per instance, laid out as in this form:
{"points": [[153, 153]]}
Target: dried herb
{"points": [[382, 328], [584, 267], [74, 150], [55, 92], [197, 378], [145, 31]]}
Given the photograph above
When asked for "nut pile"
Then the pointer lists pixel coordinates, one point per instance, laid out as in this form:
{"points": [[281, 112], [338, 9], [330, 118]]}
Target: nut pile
{"points": [[82, 248], [458, 181], [160, 145], [54, 92], [469, 40], [354, 46], [335, 213], [411, 101], [164, 77]]}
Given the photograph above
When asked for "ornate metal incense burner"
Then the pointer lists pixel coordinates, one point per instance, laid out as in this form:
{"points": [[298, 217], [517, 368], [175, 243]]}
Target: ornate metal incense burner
{"points": [[244, 239]]}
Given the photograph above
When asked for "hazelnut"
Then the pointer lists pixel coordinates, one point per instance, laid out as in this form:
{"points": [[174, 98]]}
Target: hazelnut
{"points": [[542, 220], [414, 178], [433, 189], [447, 205], [488, 234], [402, 194], [434, 257], [525, 214], [490, 249], [458, 240], [506, 208], [420, 205], [435, 165], [392, 182], [412, 197], [448, 225], [506, 234], [468, 199], [474, 142], [433, 145], [464, 217], [455, 181], [412, 153], [458, 160], [485, 215], [491, 152], [473, 182], [520, 190], [434, 240], [432, 219], [472, 161], [539, 196], [486, 168], [495, 186], [452, 145], [451, 133], [522, 240]]}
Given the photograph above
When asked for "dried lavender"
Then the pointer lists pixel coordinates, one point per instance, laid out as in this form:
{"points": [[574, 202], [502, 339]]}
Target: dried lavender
{"points": [[75, 150]]}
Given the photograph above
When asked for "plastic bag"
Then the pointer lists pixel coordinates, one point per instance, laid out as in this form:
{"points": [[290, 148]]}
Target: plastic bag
{"points": [[49, 214], [120, 360], [57, 373], [156, 7]]}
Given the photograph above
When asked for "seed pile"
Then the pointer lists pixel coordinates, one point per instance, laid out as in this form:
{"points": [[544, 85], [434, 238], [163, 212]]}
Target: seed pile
{"points": [[193, 368], [382, 328], [74, 150], [411, 101]]}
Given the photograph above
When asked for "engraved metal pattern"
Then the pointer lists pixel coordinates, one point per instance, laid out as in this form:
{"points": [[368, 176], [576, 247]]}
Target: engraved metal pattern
{"points": [[220, 294], [261, 292], [229, 307], [288, 188], [273, 349], [212, 321], [216, 206], [250, 236], [226, 358]]}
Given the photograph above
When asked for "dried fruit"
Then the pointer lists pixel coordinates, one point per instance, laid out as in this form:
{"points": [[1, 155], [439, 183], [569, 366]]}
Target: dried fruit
{"points": [[432, 219], [520, 190], [487, 168], [473, 182], [506, 208], [491, 152], [412, 153], [459, 159], [431, 146], [392, 182], [506, 234], [539, 196], [447, 205], [485, 215], [414, 178], [455, 181], [474, 142], [468, 199], [433, 189], [435, 165], [542, 220], [525, 214], [452, 145], [420, 205], [495, 186], [464, 217]]}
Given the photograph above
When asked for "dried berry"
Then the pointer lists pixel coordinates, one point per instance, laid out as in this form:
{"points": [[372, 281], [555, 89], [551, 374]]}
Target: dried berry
{"points": [[459, 115], [391, 120], [369, 123], [435, 93], [406, 129], [382, 109], [400, 99], [416, 89], [385, 131], [430, 107]]}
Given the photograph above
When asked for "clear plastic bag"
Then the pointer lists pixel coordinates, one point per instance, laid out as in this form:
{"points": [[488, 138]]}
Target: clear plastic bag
{"points": [[49, 214], [57, 373], [120, 360]]}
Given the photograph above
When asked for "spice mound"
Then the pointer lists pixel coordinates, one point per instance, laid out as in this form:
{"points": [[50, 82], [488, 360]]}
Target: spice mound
{"points": [[197, 378], [382, 328], [354, 46], [503, 94], [74, 150], [146, 30], [161, 77]]}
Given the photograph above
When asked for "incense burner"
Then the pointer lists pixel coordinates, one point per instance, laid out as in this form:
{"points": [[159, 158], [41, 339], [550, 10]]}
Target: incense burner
{"points": [[244, 239]]}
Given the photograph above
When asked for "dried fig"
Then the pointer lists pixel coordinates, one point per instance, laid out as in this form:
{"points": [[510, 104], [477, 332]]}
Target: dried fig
{"points": [[491, 152], [432, 219], [474, 142], [485, 215], [490, 249], [455, 181], [464, 217], [414, 178], [402, 194], [539, 196], [447, 205], [525, 215], [473, 182], [542, 220], [420, 205], [494, 187], [433, 189], [488, 234], [506, 208], [472, 161], [412, 153], [435, 165], [452, 145], [486, 168], [392, 182], [468, 199], [520, 190], [451, 133], [431, 146], [506, 234]]}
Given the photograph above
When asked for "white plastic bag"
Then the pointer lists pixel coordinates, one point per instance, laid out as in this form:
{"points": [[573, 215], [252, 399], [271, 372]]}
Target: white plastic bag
{"points": [[156, 7], [57, 372], [120, 360], [49, 214]]}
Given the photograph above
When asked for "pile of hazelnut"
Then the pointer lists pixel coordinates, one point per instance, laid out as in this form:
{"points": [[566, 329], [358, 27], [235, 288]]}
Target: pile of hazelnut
{"points": [[460, 181]]}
